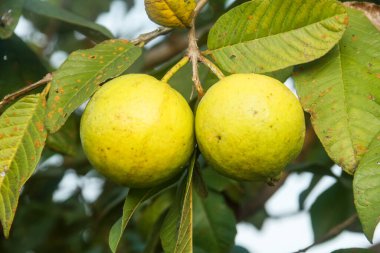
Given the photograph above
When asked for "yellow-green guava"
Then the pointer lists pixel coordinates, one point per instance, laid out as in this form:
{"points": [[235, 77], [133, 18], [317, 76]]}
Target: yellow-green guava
{"points": [[137, 131], [249, 127]]}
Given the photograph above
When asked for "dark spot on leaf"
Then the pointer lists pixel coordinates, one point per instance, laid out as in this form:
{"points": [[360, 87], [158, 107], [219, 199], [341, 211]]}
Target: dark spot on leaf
{"points": [[219, 138], [92, 57], [232, 57]]}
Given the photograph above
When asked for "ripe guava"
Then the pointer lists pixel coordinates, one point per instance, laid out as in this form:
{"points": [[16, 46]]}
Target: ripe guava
{"points": [[249, 127], [137, 131]]}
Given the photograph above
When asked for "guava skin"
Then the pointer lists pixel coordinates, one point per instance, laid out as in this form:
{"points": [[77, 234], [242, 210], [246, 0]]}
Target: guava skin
{"points": [[249, 127], [137, 131]]}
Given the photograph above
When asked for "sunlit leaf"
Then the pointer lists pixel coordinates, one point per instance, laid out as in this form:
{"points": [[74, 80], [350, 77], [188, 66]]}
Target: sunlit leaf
{"points": [[82, 73], [267, 35], [341, 91], [22, 138]]}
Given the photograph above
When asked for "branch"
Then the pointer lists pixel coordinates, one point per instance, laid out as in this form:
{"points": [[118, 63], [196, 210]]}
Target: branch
{"points": [[144, 38], [11, 97], [193, 50], [332, 232]]}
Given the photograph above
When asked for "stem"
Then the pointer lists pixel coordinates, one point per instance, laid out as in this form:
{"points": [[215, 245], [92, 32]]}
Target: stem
{"points": [[193, 50], [11, 97], [144, 38], [333, 232], [175, 69], [212, 67]]}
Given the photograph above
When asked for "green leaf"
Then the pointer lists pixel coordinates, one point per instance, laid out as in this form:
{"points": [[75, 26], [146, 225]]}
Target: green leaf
{"points": [[66, 140], [10, 12], [82, 73], [215, 222], [132, 202], [177, 230], [353, 250], [19, 65], [217, 181], [152, 212], [367, 189], [88, 28], [323, 219], [268, 35], [341, 91], [239, 249], [22, 139]]}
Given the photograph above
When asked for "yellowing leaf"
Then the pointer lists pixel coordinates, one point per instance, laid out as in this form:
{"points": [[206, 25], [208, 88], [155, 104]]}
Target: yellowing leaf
{"points": [[22, 139], [171, 13]]}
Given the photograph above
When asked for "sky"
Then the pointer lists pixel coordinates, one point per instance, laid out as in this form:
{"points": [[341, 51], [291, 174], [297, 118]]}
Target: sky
{"points": [[286, 234]]}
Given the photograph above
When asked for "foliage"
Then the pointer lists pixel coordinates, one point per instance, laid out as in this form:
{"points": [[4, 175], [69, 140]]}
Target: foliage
{"points": [[333, 50]]}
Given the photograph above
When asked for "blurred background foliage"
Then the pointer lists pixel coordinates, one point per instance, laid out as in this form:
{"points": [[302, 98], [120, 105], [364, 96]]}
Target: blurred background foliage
{"points": [[51, 218]]}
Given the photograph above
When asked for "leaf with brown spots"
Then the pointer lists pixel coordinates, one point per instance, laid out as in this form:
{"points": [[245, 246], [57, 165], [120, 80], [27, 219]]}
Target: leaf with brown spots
{"points": [[344, 103], [262, 36], [81, 75], [22, 140], [343, 95]]}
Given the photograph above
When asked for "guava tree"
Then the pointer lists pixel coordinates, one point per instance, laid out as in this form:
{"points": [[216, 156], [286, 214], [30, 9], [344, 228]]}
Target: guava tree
{"points": [[331, 49]]}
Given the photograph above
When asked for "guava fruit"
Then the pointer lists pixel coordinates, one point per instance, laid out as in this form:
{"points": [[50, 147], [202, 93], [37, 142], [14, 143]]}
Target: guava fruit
{"points": [[249, 127], [137, 131]]}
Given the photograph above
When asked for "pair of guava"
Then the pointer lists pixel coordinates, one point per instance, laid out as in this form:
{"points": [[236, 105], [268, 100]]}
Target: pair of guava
{"points": [[139, 132]]}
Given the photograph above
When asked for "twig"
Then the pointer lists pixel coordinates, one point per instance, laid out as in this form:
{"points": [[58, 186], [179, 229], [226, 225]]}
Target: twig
{"points": [[11, 97], [193, 50], [144, 38], [332, 232], [175, 68], [214, 69]]}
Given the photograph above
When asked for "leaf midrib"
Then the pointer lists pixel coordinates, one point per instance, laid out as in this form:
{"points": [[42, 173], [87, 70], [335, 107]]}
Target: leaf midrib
{"points": [[348, 120]]}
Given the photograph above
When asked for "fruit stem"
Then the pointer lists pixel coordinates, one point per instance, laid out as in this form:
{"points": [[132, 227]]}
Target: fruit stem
{"points": [[193, 50], [175, 69], [214, 69], [144, 38]]}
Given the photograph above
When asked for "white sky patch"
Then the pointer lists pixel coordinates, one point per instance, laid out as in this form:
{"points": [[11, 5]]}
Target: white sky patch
{"points": [[57, 58], [91, 187]]}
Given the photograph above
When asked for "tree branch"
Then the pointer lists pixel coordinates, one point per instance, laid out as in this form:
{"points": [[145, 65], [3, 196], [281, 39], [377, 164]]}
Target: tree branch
{"points": [[146, 37], [332, 233], [11, 97]]}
